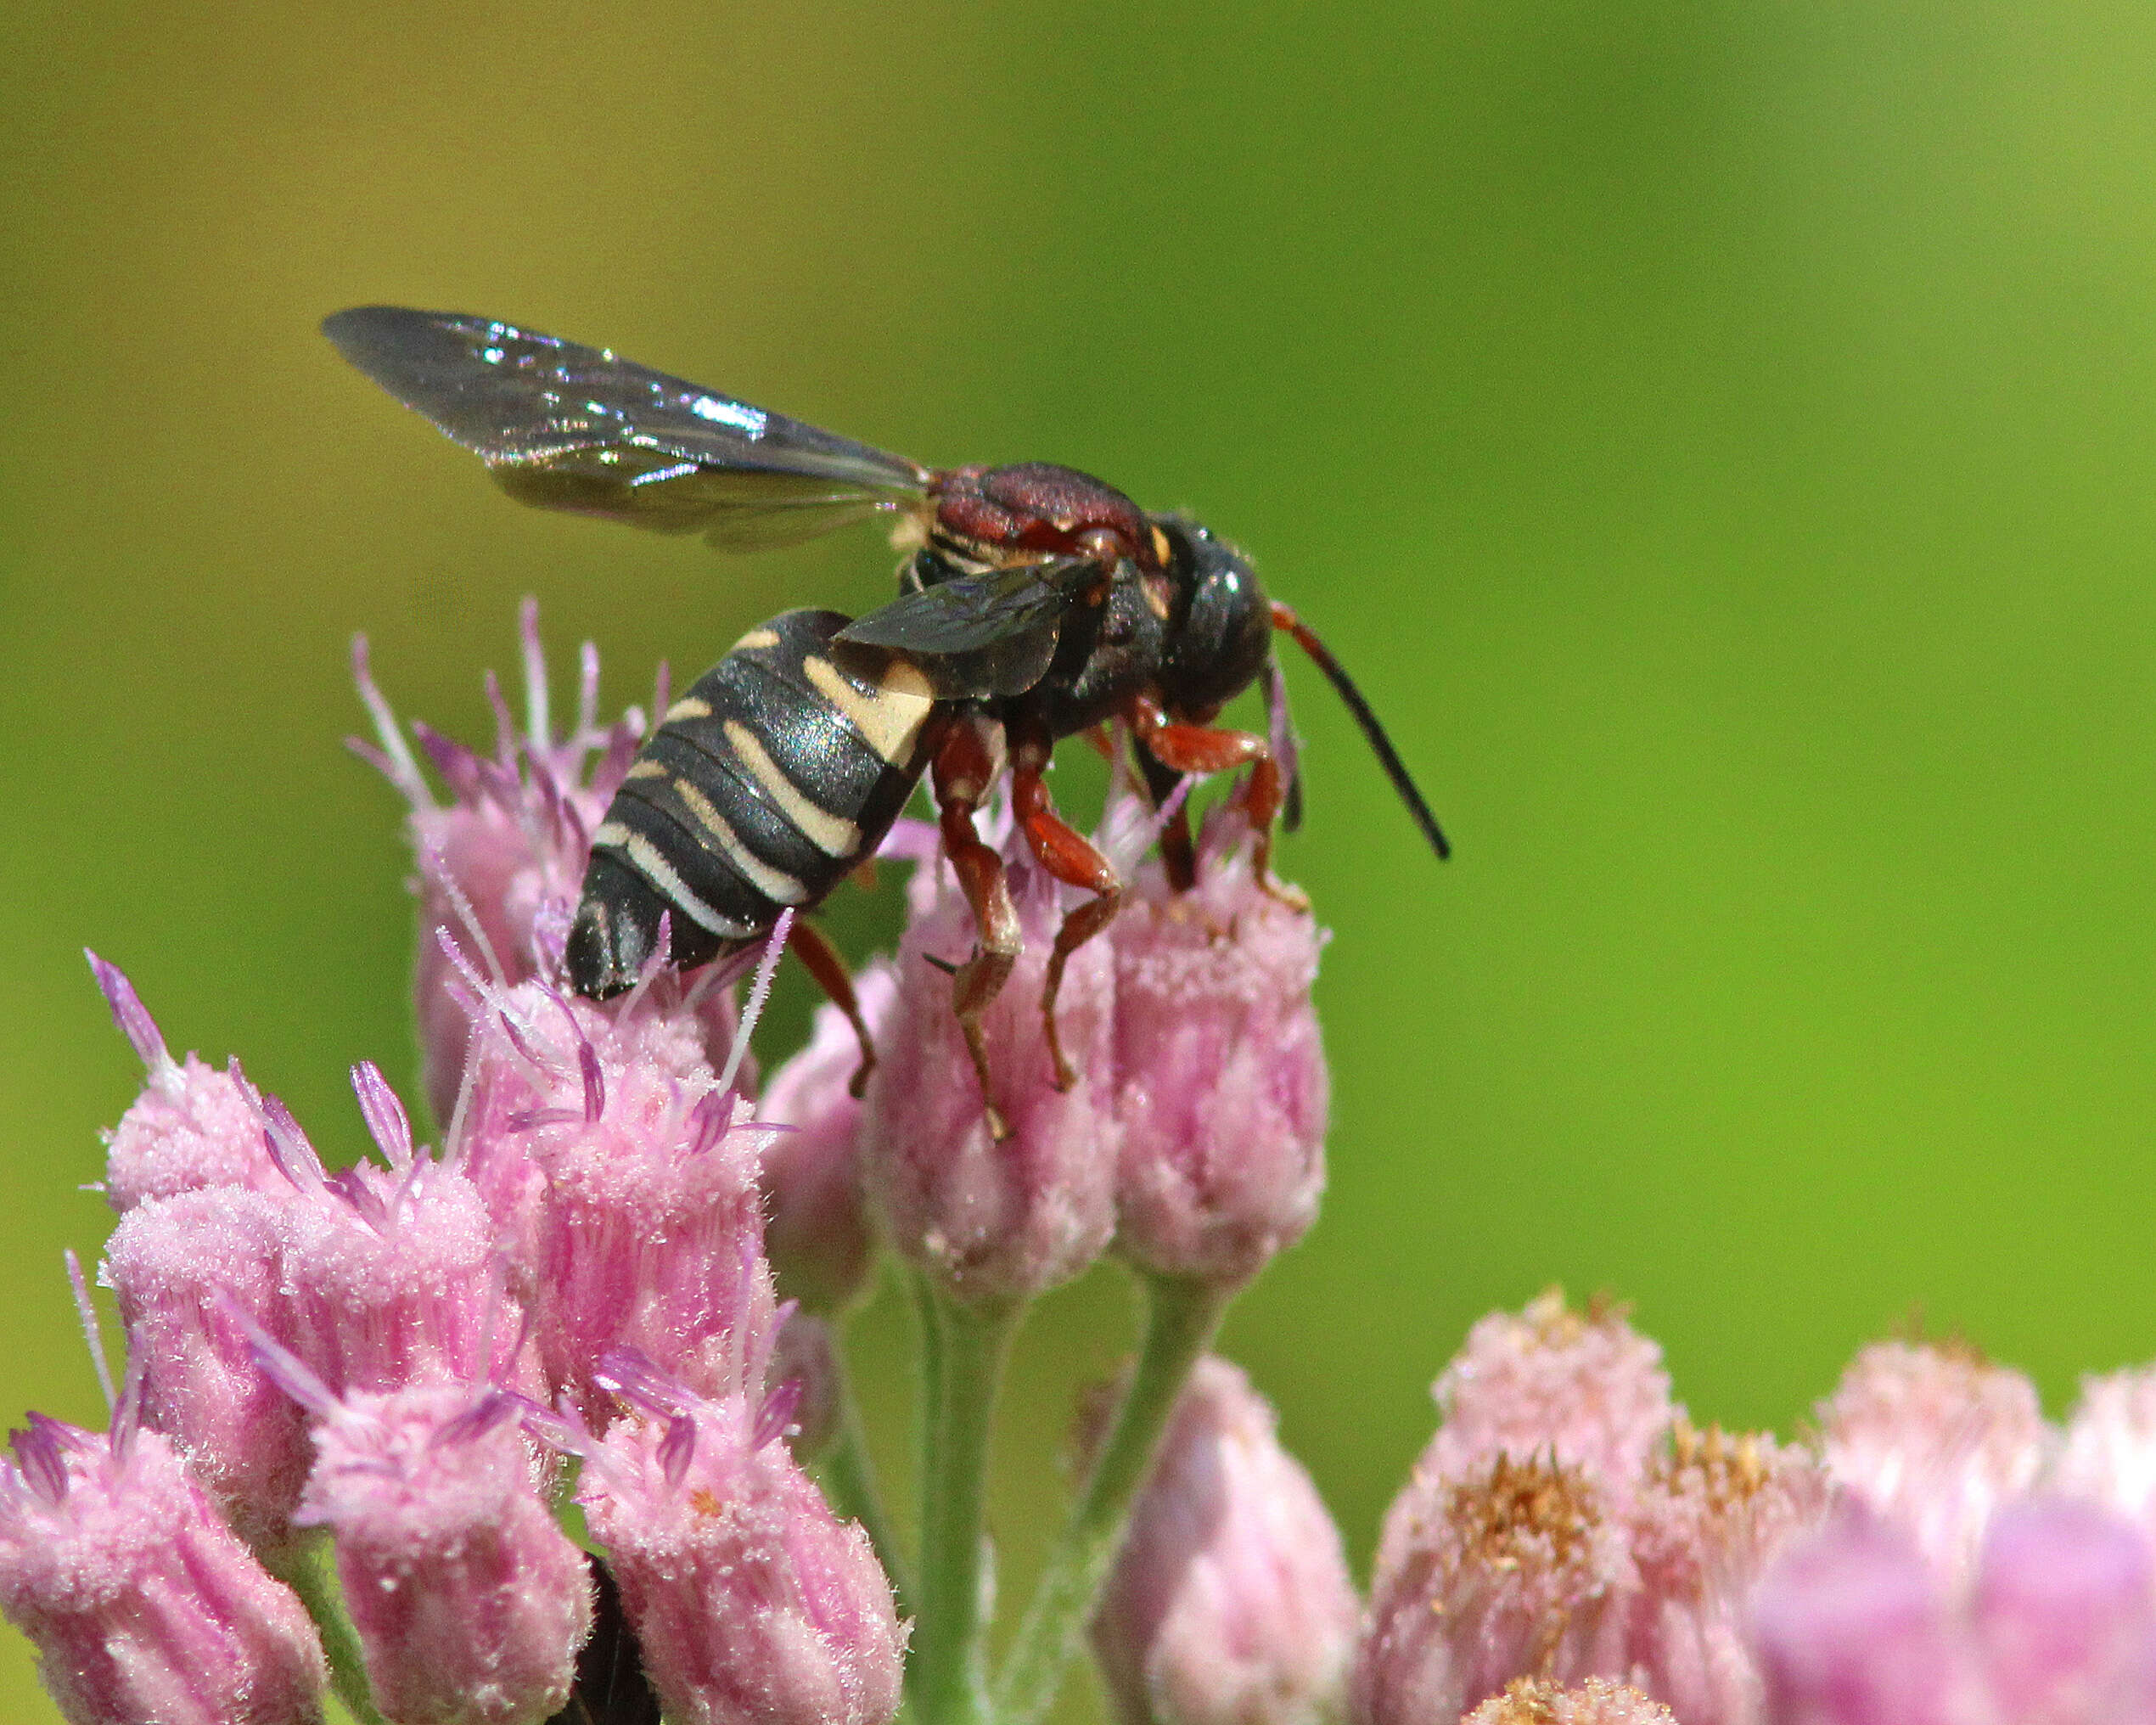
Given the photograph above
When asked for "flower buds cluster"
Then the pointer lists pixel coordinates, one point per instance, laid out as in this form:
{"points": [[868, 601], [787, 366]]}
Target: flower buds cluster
{"points": [[1566, 1524], [1982, 1565], [1193, 1138], [377, 1352]]}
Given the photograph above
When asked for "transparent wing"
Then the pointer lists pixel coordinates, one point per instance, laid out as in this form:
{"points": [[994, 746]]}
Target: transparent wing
{"points": [[980, 636], [568, 427]]}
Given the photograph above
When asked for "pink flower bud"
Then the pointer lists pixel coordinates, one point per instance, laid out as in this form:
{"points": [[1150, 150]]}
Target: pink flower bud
{"points": [[1585, 1387], [1709, 1517], [1595, 1702], [391, 1274], [190, 1272], [500, 866], [1856, 1626], [530, 1071], [2064, 1617], [142, 1605], [1221, 1085], [653, 1240], [193, 1127], [470, 1601], [816, 1234], [1849, 1629], [994, 1220], [1230, 1604], [1933, 1438], [2109, 1453], [753, 1604], [1509, 1572]]}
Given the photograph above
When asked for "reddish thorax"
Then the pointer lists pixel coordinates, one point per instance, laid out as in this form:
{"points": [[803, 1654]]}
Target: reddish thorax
{"points": [[1034, 509]]}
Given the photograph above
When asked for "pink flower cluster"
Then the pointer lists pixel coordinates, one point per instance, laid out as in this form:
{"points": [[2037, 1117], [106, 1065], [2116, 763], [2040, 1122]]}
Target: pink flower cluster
{"points": [[396, 1354], [628, 1268], [1938, 1554]]}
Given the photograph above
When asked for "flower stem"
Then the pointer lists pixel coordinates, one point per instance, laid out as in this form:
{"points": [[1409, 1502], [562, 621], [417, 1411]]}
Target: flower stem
{"points": [[306, 1570], [850, 1483], [947, 1672], [1181, 1317]]}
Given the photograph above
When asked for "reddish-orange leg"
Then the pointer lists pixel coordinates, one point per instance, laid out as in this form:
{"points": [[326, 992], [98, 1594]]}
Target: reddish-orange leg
{"points": [[1065, 854], [805, 941], [1201, 748], [964, 766]]}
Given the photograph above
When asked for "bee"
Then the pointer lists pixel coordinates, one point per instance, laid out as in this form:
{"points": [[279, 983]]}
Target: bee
{"points": [[1034, 603]]}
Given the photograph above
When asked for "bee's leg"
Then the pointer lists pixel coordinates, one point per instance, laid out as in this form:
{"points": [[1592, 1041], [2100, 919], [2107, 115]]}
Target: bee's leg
{"points": [[964, 766], [1067, 855], [1201, 748], [806, 942], [1178, 854]]}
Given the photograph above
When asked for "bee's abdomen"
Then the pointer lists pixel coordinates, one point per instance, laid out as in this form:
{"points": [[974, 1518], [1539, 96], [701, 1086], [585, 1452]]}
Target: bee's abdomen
{"points": [[765, 784]]}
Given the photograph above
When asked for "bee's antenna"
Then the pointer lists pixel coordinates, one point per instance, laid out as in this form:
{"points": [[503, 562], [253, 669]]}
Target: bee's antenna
{"points": [[1288, 623]]}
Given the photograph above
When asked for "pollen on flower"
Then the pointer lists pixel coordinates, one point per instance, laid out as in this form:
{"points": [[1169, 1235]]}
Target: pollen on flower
{"points": [[1510, 1572], [1529, 1701], [1716, 1501], [1525, 1518], [1712, 1512]]}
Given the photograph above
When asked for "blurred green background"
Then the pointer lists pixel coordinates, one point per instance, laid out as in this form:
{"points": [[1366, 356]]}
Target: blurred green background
{"points": [[1718, 433]]}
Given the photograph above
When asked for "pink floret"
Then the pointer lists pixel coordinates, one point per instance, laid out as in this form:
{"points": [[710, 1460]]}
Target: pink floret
{"points": [[142, 1605], [990, 1219], [1221, 1083]]}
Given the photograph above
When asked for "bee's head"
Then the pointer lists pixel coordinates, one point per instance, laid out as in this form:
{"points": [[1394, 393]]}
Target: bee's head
{"points": [[1220, 628]]}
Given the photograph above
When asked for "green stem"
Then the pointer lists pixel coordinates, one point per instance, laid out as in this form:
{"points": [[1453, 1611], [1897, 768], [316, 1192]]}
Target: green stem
{"points": [[1180, 1321], [850, 1483], [306, 1570], [947, 1669]]}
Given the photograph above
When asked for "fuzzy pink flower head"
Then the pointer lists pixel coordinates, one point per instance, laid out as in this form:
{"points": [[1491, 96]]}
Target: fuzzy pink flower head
{"points": [[530, 1069], [1515, 1570], [144, 1605], [1933, 1438], [1221, 1086], [1851, 1628], [1230, 1603], [994, 1220], [469, 1602], [501, 863], [2063, 1616], [2108, 1454], [627, 1180], [1856, 1626], [191, 1273], [1712, 1514], [192, 1128], [391, 1274], [753, 1604], [816, 1234], [1595, 1702], [1583, 1386]]}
